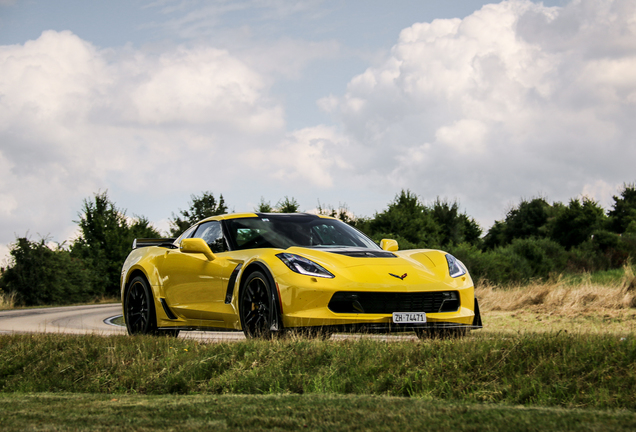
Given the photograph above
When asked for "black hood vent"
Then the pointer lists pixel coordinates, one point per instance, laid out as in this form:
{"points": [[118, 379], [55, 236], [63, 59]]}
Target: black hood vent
{"points": [[362, 253]]}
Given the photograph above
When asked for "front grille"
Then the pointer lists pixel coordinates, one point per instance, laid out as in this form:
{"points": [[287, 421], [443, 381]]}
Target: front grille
{"points": [[389, 302]]}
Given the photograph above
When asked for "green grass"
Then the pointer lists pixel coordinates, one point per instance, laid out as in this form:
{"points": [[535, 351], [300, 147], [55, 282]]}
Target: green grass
{"points": [[119, 321], [601, 277], [567, 370], [94, 412]]}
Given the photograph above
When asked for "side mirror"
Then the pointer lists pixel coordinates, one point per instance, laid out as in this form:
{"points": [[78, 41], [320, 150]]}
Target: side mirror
{"points": [[196, 245], [389, 245]]}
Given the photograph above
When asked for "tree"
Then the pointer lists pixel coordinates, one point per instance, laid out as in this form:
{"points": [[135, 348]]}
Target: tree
{"points": [[40, 275], [342, 212], [623, 212], [264, 207], [106, 235], [496, 236], [408, 219], [527, 220], [200, 208], [287, 205], [455, 227], [577, 222]]}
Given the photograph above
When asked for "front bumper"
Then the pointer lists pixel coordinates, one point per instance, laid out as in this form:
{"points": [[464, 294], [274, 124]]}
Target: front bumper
{"points": [[373, 328]]}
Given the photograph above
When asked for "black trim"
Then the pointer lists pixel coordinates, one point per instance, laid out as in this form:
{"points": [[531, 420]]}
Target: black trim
{"points": [[167, 310], [477, 320], [390, 327], [379, 328], [288, 216], [231, 283], [145, 242], [200, 328], [359, 252]]}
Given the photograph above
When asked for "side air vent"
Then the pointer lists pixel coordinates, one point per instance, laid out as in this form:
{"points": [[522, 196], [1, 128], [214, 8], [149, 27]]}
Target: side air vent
{"points": [[167, 310], [231, 283]]}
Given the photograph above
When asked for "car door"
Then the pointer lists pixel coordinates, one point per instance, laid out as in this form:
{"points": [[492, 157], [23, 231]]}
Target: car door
{"points": [[194, 286]]}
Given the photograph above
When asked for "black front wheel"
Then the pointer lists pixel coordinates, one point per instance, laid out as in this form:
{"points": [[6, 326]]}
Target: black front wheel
{"points": [[257, 307], [139, 308]]}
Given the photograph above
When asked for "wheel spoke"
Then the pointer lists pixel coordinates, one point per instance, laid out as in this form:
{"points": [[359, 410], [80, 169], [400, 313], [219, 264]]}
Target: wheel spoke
{"points": [[251, 316], [256, 307]]}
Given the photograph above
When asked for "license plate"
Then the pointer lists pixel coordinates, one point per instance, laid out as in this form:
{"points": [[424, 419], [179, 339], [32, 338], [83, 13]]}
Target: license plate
{"points": [[409, 317]]}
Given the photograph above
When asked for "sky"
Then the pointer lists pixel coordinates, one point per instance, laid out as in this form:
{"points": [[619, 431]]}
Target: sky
{"points": [[330, 102]]}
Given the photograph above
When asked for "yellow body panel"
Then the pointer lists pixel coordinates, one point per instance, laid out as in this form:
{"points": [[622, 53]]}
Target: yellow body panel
{"points": [[195, 286]]}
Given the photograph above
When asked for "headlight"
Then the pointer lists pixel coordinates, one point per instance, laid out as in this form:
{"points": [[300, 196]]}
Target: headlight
{"points": [[304, 266], [455, 266]]}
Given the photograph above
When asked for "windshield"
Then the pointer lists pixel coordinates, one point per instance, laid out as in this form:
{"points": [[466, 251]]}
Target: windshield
{"points": [[297, 230]]}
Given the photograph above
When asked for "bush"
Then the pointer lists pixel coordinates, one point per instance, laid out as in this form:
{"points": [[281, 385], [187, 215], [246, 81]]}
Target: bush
{"points": [[521, 261], [605, 250], [40, 275], [542, 256]]}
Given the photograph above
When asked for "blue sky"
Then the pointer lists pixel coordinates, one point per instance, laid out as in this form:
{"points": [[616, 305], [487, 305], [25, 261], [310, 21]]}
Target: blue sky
{"points": [[360, 32], [337, 102]]}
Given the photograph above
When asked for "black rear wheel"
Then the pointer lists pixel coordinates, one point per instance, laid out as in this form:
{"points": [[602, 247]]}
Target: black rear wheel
{"points": [[139, 308], [256, 306]]}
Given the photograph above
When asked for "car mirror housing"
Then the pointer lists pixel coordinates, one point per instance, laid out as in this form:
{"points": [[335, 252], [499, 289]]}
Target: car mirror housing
{"points": [[196, 245], [389, 245]]}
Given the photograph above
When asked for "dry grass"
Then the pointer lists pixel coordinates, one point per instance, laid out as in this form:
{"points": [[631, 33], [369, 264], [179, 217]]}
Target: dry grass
{"points": [[561, 305], [7, 301], [561, 297]]}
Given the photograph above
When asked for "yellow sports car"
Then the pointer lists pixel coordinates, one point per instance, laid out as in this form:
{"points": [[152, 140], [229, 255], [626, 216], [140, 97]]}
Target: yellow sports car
{"points": [[270, 273]]}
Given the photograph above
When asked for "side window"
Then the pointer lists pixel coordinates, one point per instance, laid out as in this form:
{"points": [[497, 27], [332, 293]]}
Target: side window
{"points": [[186, 234], [212, 233]]}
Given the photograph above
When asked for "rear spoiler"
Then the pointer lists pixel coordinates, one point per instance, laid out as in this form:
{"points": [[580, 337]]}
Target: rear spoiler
{"points": [[162, 242]]}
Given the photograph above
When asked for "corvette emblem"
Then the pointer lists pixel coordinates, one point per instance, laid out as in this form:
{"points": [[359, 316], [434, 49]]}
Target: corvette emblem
{"points": [[399, 277]]}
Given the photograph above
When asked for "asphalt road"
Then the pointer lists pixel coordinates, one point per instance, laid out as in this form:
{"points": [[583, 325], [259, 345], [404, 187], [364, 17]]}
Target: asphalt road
{"points": [[69, 319], [91, 319], [94, 319]]}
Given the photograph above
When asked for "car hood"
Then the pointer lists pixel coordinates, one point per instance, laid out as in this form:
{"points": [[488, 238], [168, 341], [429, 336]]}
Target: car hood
{"points": [[411, 266]]}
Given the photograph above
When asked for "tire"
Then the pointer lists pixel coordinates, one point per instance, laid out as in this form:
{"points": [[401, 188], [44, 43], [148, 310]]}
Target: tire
{"points": [[139, 308], [256, 307]]}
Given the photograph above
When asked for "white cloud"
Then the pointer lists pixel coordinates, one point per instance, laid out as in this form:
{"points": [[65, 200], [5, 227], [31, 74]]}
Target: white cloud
{"points": [[75, 119], [310, 156], [255, 31], [514, 100], [201, 86]]}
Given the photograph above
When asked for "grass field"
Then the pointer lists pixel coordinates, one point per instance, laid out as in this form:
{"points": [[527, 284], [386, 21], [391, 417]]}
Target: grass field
{"points": [[93, 412], [603, 303], [559, 355]]}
